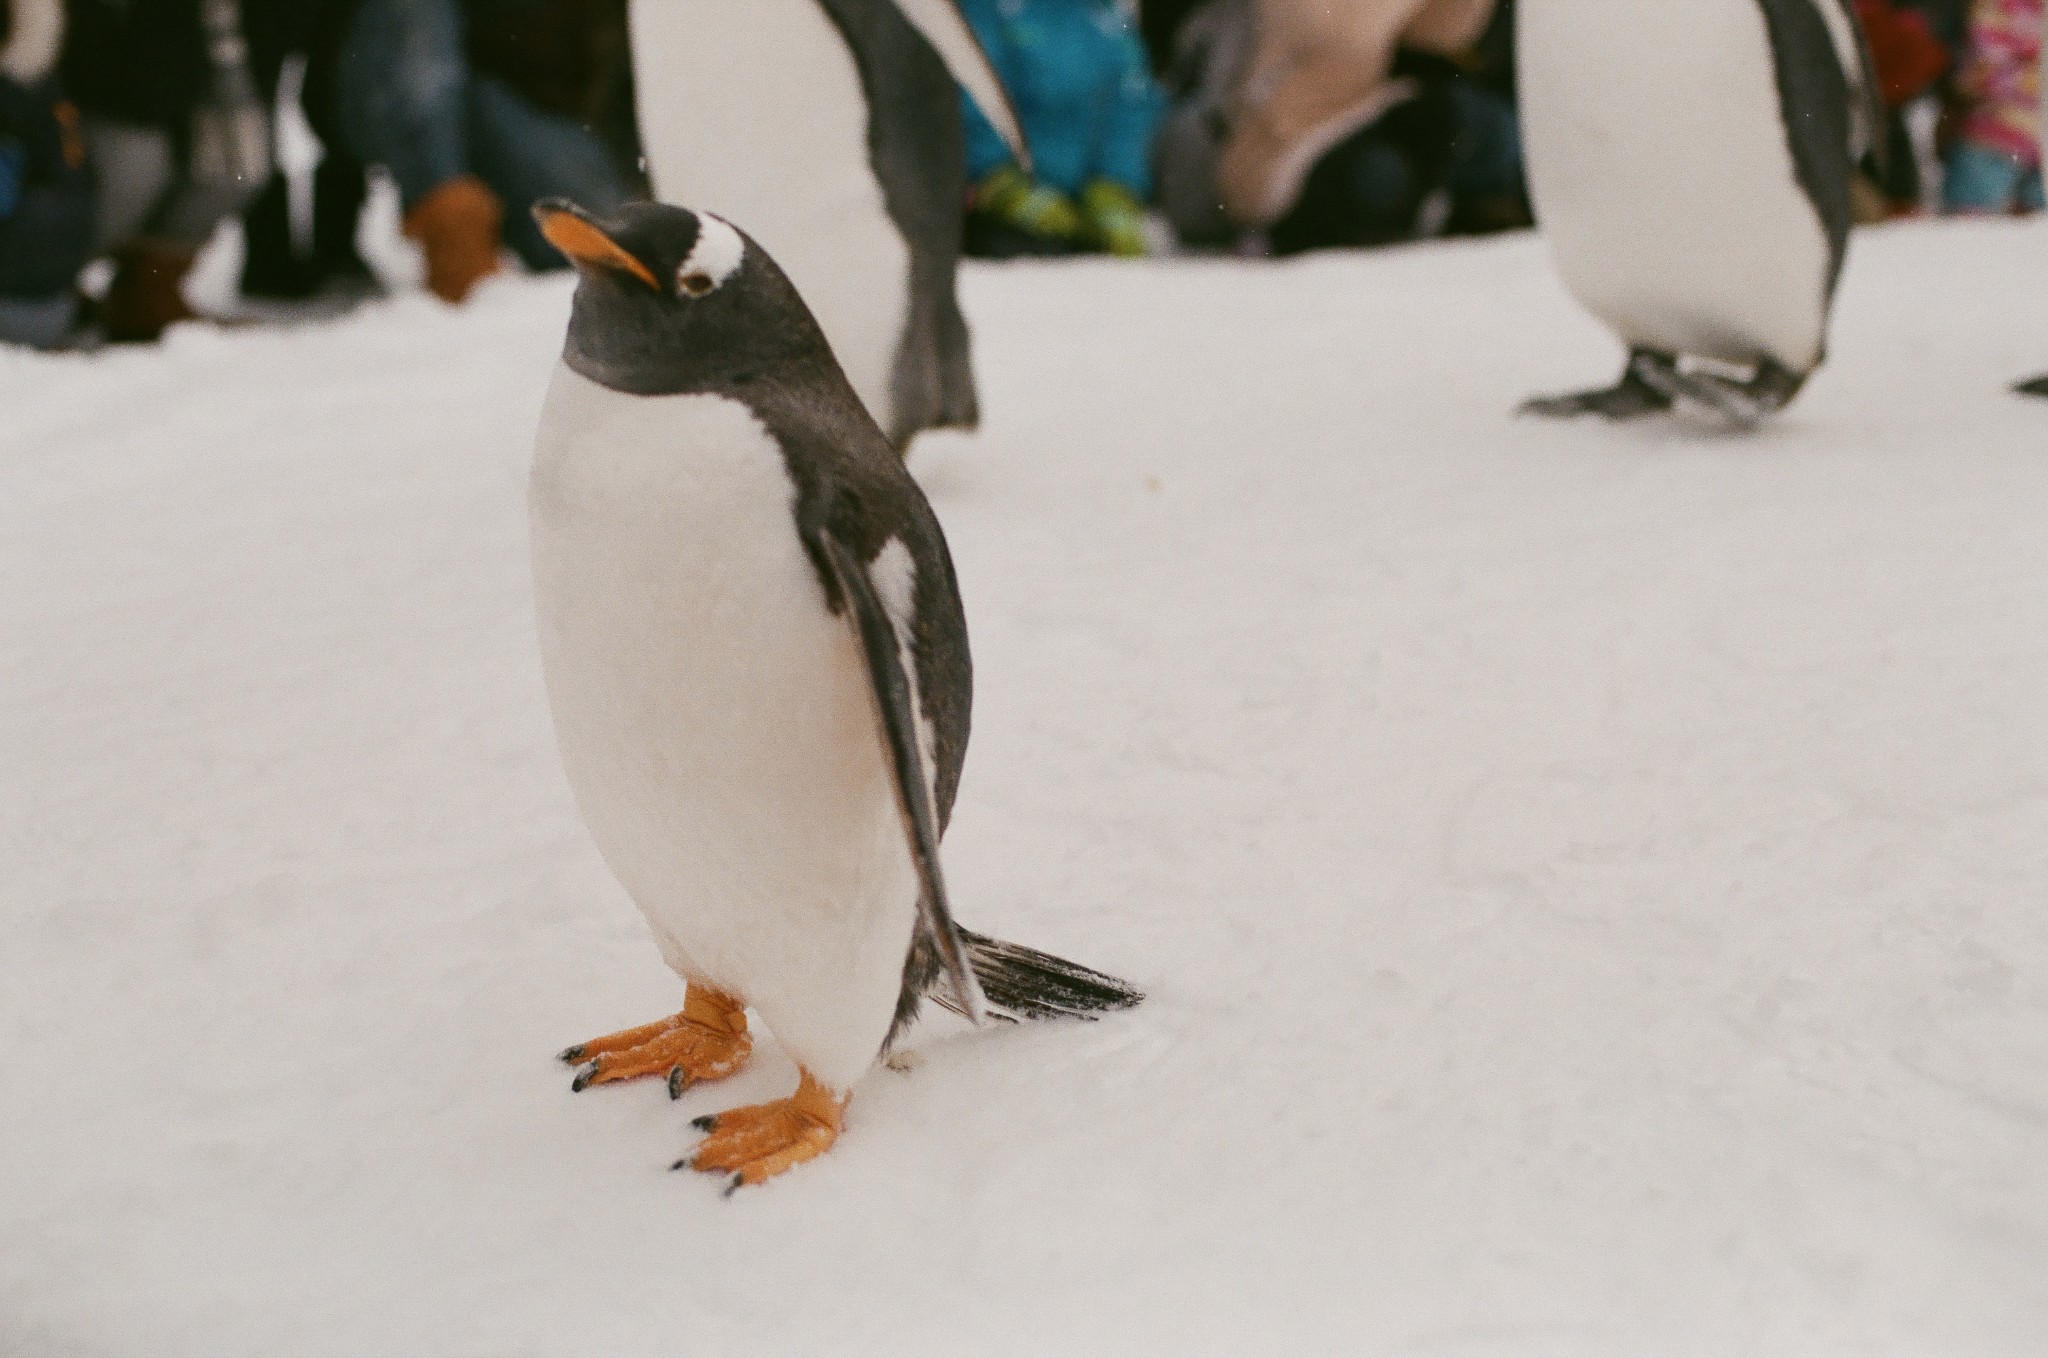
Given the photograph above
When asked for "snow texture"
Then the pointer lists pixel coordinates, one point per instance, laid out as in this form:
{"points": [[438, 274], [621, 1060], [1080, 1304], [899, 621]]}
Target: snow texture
{"points": [[1589, 879]]}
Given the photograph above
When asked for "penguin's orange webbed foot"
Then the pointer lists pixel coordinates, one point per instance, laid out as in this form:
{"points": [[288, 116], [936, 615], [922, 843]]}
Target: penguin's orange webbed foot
{"points": [[706, 1041], [760, 1141]]}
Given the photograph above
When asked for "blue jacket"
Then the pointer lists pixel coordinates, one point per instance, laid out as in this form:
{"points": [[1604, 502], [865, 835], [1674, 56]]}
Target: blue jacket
{"points": [[1077, 73], [46, 197]]}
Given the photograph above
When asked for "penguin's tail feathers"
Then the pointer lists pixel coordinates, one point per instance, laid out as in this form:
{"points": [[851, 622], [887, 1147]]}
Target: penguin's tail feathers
{"points": [[1024, 985]]}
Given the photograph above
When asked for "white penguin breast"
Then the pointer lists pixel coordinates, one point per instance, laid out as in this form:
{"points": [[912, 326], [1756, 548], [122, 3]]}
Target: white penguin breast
{"points": [[754, 109], [715, 719], [1663, 178]]}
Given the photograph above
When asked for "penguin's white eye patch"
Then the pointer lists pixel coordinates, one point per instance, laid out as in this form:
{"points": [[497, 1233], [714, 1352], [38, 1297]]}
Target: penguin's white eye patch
{"points": [[714, 258]]}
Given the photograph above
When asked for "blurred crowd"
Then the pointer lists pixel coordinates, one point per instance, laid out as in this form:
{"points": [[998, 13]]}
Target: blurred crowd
{"points": [[131, 130]]}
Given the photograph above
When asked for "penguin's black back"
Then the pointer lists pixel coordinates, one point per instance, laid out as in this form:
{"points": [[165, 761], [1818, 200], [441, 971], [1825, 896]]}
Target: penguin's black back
{"points": [[1814, 99], [917, 146]]}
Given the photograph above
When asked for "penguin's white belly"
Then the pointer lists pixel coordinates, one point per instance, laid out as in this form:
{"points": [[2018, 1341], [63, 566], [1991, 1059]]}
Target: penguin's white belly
{"points": [[753, 109], [1663, 179], [715, 720]]}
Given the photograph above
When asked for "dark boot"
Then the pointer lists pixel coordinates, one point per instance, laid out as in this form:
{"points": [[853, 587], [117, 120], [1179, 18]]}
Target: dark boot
{"points": [[146, 297]]}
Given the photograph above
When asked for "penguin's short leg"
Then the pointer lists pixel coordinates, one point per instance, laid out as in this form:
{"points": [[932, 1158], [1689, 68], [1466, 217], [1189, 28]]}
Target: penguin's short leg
{"points": [[1745, 404], [1641, 391], [2037, 387], [761, 1140], [707, 1041]]}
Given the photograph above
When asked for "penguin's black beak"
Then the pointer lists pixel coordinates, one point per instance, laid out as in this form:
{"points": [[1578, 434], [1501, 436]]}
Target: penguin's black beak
{"points": [[570, 229]]}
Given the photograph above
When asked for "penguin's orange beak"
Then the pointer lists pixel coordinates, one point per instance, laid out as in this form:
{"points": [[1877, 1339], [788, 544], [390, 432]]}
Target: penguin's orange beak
{"points": [[584, 241]]}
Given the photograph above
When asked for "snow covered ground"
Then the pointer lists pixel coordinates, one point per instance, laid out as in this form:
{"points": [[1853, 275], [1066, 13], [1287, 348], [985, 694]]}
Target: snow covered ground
{"points": [[1592, 882]]}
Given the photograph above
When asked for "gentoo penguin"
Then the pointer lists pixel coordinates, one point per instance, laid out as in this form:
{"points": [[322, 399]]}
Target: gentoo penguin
{"points": [[757, 662], [832, 129], [2039, 385], [1690, 164]]}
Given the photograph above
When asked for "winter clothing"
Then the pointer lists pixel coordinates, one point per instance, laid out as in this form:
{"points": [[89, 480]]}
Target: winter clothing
{"points": [[1078, 77], [1432, 130], [498, 97], [1212, 47], [1908, 55], [1077, 74], [1911, 58], [46, 200], [1981, 179], [1995, 164], [2001, 78], [1318, 72], [1008, 195], [147, 295], [1112, 219], [456, 226], [178, 134], [174, 121]]}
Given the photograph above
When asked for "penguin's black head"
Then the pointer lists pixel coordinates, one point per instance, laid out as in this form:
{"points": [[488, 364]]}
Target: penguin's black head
{"points": [[669, 300]]}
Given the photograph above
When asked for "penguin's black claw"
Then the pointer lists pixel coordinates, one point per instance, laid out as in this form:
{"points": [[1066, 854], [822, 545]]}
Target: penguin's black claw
{"points": [[684, 1163], [1730, 401], [2037, 387], [705, 1123], [570, 1055], [1623, 402], [1644, 389], [583, 1078], [733, 1184], [678, 1081]]}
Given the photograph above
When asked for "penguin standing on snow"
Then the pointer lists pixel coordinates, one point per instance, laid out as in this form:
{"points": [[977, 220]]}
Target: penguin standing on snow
{"points": [[2039, 386], [757, 662], [832, 129], [1690, 163]]}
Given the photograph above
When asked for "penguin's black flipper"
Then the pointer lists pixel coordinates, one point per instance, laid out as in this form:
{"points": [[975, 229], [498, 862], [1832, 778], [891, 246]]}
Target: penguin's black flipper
{"points": [[943, 26], [896, 713], [2037, 387]]}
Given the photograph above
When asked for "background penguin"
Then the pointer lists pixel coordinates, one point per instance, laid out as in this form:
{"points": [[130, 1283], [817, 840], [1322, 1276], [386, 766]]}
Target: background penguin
{"points": [[832, 128], [2039, 386], [1690, 164], [757, 662]]}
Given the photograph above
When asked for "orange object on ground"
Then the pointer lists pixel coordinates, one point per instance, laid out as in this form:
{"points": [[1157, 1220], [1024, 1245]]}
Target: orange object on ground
{"points": [[707, 1041], [457, 227], [762, 1140]]}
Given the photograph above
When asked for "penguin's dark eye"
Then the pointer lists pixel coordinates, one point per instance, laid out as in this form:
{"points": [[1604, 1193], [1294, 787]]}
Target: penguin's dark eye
{"points": [[695, 283]]}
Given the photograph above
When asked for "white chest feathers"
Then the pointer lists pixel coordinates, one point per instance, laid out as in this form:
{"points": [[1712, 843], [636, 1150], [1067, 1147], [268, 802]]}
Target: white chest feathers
{"points": [[1663, 178], [754, 109], [715, 719]]}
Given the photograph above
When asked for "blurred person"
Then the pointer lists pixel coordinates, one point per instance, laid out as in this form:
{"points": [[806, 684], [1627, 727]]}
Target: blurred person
{"points": [[1080, 81], [1994, 164], [46, 197], [480, 108], [1911, 59], [1385, 146], [282, 259], [178, 139], [1317, 74]]}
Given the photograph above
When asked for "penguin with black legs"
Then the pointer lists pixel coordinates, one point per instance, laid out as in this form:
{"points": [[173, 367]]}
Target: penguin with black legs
{"points": [[1690, 165], [757, 662], [2039, 385], [832, 129]]}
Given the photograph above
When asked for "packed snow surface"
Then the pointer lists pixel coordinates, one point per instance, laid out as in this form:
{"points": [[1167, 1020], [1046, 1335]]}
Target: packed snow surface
{"points": [[1592, 881]]}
